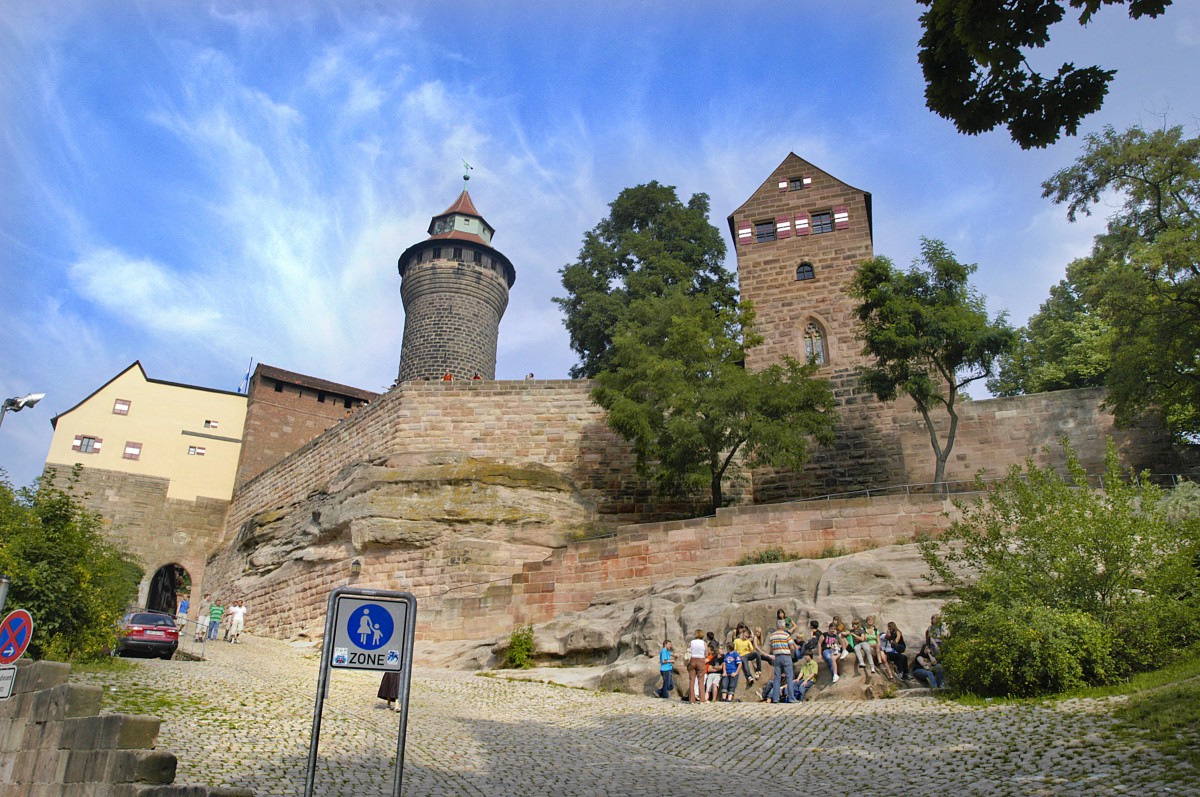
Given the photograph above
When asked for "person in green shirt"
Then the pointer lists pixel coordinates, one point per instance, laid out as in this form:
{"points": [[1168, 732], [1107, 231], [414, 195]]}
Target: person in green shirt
{"points": [[807, 677], [215, 613]]}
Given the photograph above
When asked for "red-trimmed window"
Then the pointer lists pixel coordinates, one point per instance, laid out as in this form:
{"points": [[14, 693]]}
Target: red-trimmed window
{"points": [[87, 444], [210, 424], [799, 183], [132, 451], [121, 407], [195, 451]]}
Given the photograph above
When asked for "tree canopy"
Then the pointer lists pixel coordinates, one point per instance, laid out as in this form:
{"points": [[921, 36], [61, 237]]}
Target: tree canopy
{"points": [[1142, 278], [676, 389], [929, 336], [73, 581], [649, 242], [974, 56]]}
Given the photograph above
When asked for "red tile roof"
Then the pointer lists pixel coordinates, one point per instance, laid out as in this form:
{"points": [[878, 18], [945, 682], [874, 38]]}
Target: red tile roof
{"points": [[312, 382], [458, 235], [462, 205]]}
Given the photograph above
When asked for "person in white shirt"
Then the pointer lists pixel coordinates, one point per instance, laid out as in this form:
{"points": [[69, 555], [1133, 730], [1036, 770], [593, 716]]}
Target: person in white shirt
{"points": [[237, 620]]}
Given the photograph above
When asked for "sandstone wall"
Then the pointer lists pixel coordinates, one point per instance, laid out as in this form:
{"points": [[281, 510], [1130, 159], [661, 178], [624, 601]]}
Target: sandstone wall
{"points": [[157, 529], [53, 742]]}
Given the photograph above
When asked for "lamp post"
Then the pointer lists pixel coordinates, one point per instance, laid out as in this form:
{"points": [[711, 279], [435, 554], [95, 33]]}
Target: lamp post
{"points": [[4, 582], [18, 403]]}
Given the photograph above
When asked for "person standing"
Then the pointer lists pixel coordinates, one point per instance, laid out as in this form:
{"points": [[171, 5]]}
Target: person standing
{"points": [[215, 612], [202, 619], [389, 689], [697, 652], [666, 668], [181, 615], [781, 649], [237, 620]]}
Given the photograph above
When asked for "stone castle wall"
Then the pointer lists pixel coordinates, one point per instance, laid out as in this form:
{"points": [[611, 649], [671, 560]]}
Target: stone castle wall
{"points": [[139, 517]]}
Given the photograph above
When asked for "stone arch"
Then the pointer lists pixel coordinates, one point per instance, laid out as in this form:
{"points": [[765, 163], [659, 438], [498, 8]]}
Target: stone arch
{"points": [[815, 345], [166, 585]]}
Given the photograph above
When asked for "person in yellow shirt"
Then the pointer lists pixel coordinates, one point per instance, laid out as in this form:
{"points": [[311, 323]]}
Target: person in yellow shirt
{"points": [[744, 647], [807, 677]]}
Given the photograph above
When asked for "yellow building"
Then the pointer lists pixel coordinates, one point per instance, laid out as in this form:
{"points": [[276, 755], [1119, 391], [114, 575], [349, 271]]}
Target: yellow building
{"points": [[134, 424]]}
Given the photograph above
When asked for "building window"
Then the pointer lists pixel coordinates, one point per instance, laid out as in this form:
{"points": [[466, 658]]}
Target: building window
{"points": [[764, 231], [320, 397], [805, 271], [211, 424], [278, 386], [478, 257], [437, 252], [458, 253], [799, 183], [348, 404], [132, 451], [86, 444], [195, 451], [814, 344], [822, 222], [121, 407]]}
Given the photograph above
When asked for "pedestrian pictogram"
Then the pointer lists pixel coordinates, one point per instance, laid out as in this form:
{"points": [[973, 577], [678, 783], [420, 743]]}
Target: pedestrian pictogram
{"points": [[371, 625], [15, 633]]}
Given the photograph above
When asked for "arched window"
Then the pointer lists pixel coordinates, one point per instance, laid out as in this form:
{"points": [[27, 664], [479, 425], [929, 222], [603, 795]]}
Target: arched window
{"points": [[814, 344], [805, 271]]}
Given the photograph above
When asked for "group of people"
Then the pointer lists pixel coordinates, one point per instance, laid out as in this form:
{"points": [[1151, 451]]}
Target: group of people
{"points": [[714, 668], [211, 616]]}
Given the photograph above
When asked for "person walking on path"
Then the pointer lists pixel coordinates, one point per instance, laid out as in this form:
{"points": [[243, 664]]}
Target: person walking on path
{"points": [[389, 689], [181, 615], [215, 612], [237, 620]]}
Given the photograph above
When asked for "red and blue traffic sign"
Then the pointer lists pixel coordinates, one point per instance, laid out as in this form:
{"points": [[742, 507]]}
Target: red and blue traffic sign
{"points": [[15, 633]]}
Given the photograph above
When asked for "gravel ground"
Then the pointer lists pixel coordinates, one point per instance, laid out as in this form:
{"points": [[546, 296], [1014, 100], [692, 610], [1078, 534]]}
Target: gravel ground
{"points": [[242, 717]]}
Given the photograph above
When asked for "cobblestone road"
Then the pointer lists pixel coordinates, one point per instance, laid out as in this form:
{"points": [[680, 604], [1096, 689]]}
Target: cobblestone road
{"points": [[242, 718]]}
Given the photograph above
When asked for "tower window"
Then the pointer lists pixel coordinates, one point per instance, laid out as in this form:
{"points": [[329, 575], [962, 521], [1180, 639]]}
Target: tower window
{"points": [[458, 253], [478, 257], [814, 344], [437, 252], [765, 231], [805, 271], [822, 222]]}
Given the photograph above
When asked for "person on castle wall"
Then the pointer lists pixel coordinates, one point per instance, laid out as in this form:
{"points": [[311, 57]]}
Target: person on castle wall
{"points": [[215, 612], [831, 649], [389, 690], [666, 668], [202, 619], [447, 377], [894, 646], [696, 666], [477, 377], [237, 620]]}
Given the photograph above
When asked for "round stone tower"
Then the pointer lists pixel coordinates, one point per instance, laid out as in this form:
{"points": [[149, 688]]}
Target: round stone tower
{"points": [[454, 286]]}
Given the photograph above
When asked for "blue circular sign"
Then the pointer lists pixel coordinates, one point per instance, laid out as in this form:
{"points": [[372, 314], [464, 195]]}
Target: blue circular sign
{"points": [[370, 626]]}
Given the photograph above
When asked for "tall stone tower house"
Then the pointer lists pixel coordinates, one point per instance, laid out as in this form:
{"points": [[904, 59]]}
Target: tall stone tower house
{"points": [[799, 239], [454, 286]]}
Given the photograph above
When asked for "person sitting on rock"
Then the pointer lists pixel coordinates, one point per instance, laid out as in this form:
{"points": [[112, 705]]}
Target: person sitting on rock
{"points": [[928, 668], [813, 643], [858, 643], [806, 678], [893, 647], [788, 623], [746, 651], [831, 649], [934, 634], [732, 661], [868, 646]]}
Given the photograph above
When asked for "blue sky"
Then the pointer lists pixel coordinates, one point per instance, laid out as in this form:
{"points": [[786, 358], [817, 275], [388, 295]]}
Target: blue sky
{"points": [[198, 184]]}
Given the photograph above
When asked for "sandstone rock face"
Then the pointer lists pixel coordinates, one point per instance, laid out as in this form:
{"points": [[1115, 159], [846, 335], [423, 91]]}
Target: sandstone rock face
{"points": [[620, 634], [404, 517]]}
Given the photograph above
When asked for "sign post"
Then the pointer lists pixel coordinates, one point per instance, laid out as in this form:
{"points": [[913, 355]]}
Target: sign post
{"points": [[366, 629], [16, 631]]}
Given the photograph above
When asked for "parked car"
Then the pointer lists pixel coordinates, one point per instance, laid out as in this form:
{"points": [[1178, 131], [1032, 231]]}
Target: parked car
{"points": [[154, 633]]}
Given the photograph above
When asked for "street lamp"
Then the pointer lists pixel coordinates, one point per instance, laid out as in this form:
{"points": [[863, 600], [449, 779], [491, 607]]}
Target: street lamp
{"points": [[18, 403]]}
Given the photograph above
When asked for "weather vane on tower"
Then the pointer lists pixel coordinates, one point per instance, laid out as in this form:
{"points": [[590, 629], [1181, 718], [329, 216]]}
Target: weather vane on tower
{"points": [[467, 168]]}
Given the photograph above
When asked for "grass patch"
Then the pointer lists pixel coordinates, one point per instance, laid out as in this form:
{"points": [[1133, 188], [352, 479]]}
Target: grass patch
{"points": [[111, 664], [1168, 717], [768, 556]]}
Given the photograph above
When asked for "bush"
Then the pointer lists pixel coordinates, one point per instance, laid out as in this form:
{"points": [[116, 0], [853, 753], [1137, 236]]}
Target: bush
{"points": [[1023, 651], [519, 653], [73, 581], [768, 556]]}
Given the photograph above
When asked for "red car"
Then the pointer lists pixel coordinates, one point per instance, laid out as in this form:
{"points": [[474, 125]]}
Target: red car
{"points": [[154, 633]]}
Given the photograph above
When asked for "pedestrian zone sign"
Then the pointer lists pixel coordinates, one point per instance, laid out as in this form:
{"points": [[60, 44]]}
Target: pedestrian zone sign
{"points": [[369, 632]]}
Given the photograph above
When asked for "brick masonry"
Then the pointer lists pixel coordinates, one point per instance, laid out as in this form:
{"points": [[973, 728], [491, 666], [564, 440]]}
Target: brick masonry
{"points": [[55, 743]]}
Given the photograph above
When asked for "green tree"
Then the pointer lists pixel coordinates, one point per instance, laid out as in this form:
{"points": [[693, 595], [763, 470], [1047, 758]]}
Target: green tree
{"points": [[1142, 279], [649, 242], [974, 57], [1065, 345], [1042, 545], [929, 335], [72, 581], [677, 389]]}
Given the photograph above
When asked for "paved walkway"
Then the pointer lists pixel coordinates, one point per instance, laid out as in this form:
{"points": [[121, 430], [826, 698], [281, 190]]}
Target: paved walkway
{"points": [[242, 718]]}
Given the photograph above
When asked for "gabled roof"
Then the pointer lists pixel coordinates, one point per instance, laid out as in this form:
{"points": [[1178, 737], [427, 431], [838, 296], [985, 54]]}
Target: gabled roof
{"points": [[312, 382], [138, 364], [794, 162]]}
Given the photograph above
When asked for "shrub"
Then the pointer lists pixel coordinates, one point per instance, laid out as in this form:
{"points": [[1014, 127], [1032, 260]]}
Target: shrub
{"points": [[768, 556], [1024, 650], [518, 655]]}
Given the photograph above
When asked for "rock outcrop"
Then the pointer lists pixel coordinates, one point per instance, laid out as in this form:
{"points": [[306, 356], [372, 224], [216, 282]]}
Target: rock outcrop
{"points": [[619, 635]]}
